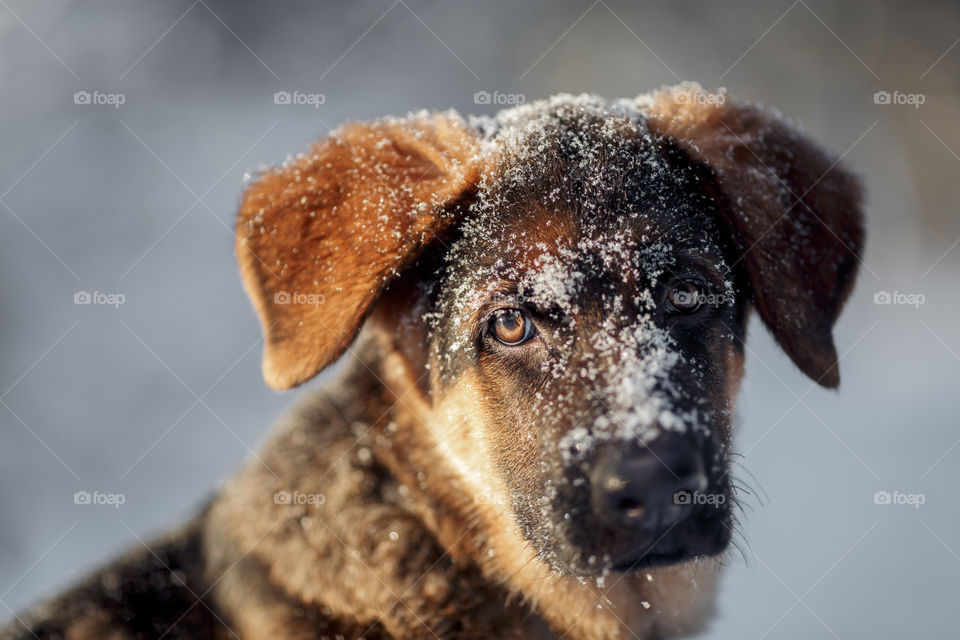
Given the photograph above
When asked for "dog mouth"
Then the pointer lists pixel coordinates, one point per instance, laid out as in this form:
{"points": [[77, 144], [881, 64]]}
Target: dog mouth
{"points": [[652, 559], [626, 556], [704, 533], [671, 548], [589, 548]]}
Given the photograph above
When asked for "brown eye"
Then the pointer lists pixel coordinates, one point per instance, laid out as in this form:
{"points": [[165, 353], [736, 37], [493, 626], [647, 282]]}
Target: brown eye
{"points": [[512, 327], [685, 297]]}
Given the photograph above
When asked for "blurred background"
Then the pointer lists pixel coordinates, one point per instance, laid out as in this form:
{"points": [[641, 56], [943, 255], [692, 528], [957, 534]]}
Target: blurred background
{"points": [[131, 357]]}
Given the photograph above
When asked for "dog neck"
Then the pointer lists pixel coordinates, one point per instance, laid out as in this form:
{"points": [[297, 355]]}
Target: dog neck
{"points": [[400, 541]]}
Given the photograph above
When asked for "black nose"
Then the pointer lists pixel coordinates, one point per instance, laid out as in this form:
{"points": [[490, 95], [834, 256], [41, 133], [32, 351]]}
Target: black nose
{"points": [[647, 487]]}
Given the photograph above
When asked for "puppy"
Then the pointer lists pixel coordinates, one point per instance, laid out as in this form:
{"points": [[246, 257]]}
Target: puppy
{"points": [[543, 315]]}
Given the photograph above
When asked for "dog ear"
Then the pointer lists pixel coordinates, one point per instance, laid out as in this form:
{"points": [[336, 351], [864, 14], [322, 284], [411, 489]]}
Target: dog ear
{"points": [[320, 237], [794, 215]]}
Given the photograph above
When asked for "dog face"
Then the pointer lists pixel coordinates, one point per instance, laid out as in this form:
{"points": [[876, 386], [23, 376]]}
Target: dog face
{"points": [[590, 299], [569, 285]]}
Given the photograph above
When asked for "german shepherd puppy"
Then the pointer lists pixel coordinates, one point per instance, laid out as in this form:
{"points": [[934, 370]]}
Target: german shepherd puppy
{"points": [[544, 314]]}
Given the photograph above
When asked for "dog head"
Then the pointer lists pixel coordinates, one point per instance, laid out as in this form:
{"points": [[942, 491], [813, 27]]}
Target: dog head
{"points": [[567, 287]]}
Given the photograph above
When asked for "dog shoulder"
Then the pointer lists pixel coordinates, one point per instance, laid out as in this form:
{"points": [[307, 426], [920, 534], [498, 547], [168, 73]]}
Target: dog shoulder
{"points": [[318, 532]]}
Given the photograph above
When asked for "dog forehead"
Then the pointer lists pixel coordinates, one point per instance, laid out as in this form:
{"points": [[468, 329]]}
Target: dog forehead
{"points": [[582, 142], [583, 166], [552, 255], [587, 114]]}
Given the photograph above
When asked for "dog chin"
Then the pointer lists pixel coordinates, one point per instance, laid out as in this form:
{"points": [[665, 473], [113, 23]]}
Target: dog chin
{"points": [[626, 557], [667, 556], [642, 561]]}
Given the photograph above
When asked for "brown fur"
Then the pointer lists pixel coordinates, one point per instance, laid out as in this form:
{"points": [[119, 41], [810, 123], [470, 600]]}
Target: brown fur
{"points": [[409, 532]]}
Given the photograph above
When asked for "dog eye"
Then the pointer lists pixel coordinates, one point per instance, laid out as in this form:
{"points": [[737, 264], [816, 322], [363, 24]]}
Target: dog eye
{"points": [[512, 327], [685, 297]]}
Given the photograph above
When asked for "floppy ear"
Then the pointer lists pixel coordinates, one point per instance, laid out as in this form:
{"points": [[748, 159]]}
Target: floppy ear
{"points": [[793, 213], [320, 237]]}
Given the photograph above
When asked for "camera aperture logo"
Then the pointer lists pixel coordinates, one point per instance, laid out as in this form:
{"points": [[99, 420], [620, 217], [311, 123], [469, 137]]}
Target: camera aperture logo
{"points": [[898, 498], [299, 98], [99, 298], [97, 498], [99, 98], [296, 498]]}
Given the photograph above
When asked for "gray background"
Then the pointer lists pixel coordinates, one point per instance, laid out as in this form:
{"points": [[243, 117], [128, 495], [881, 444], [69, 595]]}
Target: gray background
{"points": [[161, 398]]}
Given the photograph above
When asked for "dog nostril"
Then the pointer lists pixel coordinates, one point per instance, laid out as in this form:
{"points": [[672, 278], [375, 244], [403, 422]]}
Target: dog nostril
{"points": [[630, 507]]}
